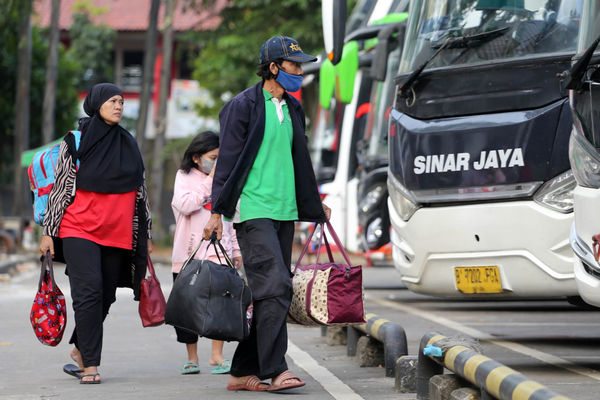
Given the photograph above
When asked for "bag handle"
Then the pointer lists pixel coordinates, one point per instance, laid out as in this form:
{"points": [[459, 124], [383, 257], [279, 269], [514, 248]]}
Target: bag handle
{"points": [[47, 268], [213, 239], [322, 237], [338, 243], [305, 246], [329, 253], [191, 257], [151, 268]]}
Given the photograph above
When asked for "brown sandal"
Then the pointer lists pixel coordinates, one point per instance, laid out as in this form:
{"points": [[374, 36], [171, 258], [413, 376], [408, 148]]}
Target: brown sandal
{"points": [[285, 376], [252, 384]]}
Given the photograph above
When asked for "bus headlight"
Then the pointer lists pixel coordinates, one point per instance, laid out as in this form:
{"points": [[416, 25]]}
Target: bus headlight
{"points": [[402, 200], [585, 162], [557, 193]]}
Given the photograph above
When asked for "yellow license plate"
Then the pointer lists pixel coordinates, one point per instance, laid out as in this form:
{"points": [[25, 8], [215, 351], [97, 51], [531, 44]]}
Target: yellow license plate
{"points": [[478, 279]]}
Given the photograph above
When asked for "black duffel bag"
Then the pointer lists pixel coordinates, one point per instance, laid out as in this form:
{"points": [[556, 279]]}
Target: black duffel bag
{"points": [[210, 299]]}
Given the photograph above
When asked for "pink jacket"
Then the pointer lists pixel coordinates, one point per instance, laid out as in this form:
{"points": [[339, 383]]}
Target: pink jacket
{"points": [[190, 196]]}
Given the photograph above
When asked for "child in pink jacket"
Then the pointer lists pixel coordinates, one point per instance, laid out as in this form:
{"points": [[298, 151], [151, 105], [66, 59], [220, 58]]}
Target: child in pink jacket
{"points": [[191, 207]]}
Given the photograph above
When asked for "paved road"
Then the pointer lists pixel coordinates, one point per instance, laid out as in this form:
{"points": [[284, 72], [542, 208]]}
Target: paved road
{"points": [[548, 340], [143, 363]]}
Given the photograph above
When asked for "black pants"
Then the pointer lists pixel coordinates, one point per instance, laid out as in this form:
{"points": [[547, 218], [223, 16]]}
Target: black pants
{"points": [[183, 335], [266, 247], [93, 275]]}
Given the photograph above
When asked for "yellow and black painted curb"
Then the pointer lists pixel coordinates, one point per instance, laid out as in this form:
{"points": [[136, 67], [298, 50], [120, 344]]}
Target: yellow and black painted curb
{"points": [[496, 379], [390, 334]]}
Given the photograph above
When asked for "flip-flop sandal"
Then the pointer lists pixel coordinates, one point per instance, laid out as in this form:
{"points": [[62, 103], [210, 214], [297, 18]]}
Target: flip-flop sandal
{"points": [[190, 368], [72, 370], [93, 381], [222, 368], [285, 376], [252, 384]]}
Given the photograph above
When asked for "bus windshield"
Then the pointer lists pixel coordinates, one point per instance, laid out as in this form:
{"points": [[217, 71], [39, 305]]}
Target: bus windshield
{"points": [[325, 142], [590, 25], [382, 96], [474, 31]]}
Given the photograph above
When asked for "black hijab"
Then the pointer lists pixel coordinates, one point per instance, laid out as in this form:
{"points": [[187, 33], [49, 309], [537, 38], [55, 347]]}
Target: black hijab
{"points": [[110, 161]]}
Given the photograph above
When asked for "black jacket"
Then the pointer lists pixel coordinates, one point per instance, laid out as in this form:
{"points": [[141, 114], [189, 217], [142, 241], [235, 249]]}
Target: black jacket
{"points": [[242, 122]]}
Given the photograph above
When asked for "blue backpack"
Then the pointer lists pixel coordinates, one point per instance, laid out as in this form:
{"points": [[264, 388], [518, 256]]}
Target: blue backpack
{"points": [[41, 176]]}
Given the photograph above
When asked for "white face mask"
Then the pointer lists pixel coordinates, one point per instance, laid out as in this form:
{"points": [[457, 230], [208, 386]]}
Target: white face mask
{"points": [[206, 165]]}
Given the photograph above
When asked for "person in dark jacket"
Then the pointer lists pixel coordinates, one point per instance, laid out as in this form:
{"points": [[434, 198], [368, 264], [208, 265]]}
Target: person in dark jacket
{"points": [[263, 182]]}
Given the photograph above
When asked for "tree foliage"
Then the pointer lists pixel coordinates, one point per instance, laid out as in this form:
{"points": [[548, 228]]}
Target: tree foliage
{"points": [[228, 57], [66, 99], [86, 62], [91, 46]]}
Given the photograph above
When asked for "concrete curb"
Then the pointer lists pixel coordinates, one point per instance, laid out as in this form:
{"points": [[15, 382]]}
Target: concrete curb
{"points": [[406, 374], [493, 378]]}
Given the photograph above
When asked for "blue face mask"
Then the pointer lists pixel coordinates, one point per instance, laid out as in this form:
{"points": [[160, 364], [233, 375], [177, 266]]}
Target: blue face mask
{"points": [[289, 82]]}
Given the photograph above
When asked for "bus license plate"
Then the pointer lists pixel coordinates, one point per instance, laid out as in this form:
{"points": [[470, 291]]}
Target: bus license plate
{"points": [[478, 279]]}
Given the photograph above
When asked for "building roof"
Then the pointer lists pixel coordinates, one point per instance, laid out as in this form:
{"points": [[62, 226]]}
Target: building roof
{"points": [[130, 15]]}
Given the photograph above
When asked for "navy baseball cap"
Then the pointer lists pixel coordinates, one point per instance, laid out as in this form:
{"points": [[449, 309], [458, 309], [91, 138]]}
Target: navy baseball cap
{"points": [[283, 47]]}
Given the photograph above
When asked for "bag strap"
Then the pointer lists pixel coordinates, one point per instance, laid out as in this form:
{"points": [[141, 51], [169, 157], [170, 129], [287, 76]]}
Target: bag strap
{"points": [[77, 136], [214, 241], [151, 268], [73, 140], [304, 250], [322, 238], [191, 257], [329, 253], [338, 243], [47, 268]]}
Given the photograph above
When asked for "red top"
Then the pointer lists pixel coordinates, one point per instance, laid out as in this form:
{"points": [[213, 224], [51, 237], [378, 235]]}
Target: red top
{"points": [[103, 218]]}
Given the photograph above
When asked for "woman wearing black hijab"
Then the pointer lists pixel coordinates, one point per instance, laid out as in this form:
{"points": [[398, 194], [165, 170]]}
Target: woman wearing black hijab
{"points": [[98, 207]]}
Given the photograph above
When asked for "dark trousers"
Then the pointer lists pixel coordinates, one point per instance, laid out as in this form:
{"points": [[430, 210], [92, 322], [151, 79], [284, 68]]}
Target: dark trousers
{"points": [[93, 275], [266, 247], [183, 335]]}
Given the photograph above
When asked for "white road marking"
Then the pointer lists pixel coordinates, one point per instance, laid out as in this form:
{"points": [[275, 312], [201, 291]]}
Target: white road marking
{"points": [[338, 389], [511, 323], [516, 347]]}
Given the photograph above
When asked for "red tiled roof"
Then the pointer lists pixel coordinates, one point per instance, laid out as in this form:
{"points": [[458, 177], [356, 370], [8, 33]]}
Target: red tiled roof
{"points": [[130, 15]]}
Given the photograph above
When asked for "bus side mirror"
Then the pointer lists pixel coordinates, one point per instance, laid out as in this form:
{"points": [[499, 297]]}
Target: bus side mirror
{"points": [[387, 40], [575, 77], [334, 28]]}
